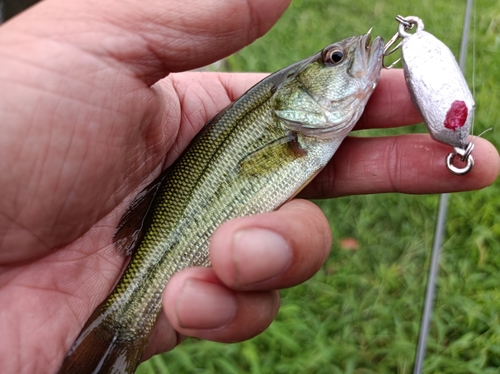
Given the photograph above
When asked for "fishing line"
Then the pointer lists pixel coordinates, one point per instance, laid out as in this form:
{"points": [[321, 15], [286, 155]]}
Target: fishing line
{"points": [[439, 231], [474, 24]]}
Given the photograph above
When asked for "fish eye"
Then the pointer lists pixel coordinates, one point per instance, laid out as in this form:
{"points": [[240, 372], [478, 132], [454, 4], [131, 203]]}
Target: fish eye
{"points": [[334, 56]]}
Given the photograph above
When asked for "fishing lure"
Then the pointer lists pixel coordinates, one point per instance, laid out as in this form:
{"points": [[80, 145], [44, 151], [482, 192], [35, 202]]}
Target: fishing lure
{"points": [[438, 89]]}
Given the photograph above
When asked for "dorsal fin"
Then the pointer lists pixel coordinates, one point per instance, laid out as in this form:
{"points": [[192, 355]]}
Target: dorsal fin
{"points": [[134, 221]]}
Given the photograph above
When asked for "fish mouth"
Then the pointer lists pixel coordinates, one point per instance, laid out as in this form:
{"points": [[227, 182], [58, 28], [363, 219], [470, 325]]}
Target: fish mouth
{"points": [[372, 49], [371, 54]]}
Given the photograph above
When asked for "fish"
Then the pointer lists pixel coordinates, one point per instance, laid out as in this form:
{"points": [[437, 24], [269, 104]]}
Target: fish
{"points": [[252, 157]]}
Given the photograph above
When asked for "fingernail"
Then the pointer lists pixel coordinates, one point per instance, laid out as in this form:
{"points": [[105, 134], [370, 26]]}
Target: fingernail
{"points": [[258, 255], [218, 305]]}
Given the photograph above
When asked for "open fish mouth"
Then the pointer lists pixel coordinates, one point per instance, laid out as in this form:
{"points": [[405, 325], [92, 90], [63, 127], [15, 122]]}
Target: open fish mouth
{"points": [[373, 49], [372, 52]]}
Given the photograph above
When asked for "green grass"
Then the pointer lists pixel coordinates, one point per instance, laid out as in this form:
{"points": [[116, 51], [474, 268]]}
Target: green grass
{"points": [[361, 312]]}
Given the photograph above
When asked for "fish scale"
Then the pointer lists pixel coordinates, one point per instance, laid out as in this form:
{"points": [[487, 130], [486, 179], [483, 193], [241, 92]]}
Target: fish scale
{"points": [[250, 158]]}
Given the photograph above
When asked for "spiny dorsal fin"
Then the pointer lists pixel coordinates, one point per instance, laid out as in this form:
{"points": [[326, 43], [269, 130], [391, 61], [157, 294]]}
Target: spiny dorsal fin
{"points": [[134, 221]]}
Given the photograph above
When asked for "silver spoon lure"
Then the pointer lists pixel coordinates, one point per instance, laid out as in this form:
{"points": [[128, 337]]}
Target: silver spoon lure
{"points": [[438, 89]]}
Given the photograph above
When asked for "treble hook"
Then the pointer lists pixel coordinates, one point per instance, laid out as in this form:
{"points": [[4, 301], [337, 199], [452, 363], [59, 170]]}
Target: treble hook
{"points": [[388, 52], [405, 25]]}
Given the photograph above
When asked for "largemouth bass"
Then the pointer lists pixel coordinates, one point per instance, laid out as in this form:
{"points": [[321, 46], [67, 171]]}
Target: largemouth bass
{"points": [[250, 158]]}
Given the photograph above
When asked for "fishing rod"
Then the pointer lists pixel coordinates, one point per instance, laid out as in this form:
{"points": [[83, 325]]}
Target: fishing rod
{"points": [[439, 230]]}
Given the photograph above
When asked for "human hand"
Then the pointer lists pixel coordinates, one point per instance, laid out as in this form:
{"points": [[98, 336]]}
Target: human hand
{"points": [[87, 122]]}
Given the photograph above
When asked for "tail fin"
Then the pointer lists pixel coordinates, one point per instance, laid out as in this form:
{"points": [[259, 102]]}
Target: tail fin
{"points": [[100, 348]]}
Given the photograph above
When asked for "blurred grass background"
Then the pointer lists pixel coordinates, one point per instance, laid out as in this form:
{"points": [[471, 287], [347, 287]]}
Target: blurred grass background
{"points": [[361, 312]]}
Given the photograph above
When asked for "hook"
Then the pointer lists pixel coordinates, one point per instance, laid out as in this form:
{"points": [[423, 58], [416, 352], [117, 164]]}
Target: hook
{"points": [[405, 25]]}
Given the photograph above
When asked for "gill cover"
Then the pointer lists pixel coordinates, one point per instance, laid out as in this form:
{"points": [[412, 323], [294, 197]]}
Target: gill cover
{"points": [[327, 94]]}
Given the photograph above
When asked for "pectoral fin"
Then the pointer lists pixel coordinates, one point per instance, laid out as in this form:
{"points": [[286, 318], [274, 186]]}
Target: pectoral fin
{"points": [[271, 156]]}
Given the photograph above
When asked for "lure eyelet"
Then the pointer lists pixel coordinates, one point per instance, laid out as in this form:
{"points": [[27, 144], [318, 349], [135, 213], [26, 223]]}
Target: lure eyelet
{"points": [[465, 156]]}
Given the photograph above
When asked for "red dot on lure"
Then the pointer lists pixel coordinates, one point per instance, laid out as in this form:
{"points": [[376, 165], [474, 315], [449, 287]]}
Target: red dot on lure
{"points": [[456, 116]]}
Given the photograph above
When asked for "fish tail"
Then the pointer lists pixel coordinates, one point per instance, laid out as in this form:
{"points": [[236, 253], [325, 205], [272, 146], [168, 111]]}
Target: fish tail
{"points": [[101, 348]]}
